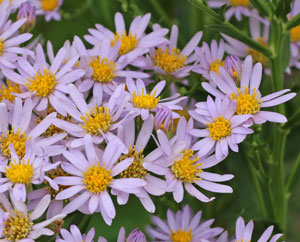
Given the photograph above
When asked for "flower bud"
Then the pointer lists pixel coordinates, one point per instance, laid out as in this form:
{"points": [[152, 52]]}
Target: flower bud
{"points": [[136, 236], [27, 11], [233, 66], [163, 119]]}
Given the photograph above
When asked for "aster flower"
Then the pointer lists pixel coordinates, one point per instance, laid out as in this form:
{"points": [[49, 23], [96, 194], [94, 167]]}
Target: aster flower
{"points": [[15, 130], [17, 223], [48, 8], [167, 59], [142, 103], [27, 11], [154, 185], [92, 176], [104, 71], [75, 235], [46, 83], [244, 232], [23, 171], [247, 94], [7, 91], [183, 226], [135, 42], [135, 236], [184, 169], [210, 58], [238, 8], [13, 4], [223, 128], [97, 121], [241, 50], [9, 38], [233, 66]]}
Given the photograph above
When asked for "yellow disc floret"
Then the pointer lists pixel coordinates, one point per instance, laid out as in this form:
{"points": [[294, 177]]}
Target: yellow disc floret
{"points": [[169, 62], [97, 120], [295, 34], [136, 169], [17, 226], [219, 129], [53, 174], [243, 3], [17, 138], [6, 91], [104, 70], [182, 235], [145, 101], [1, 47], [21, 172], [49, 5], [258, 56], [42, 83], [246, 103], [214, 66], [128, 42], [97, 178], [187, 169]]}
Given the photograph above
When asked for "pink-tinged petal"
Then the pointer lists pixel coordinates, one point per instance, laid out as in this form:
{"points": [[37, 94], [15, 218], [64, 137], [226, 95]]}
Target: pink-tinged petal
{"points": [[171, 220], [228, 79], [69, 192], [155, 168], [278, 100], [158, 88], [246, 72], [266, 235], [122, 235], [215, 177], [77, 159], [145, 133], [93, 203], [197, 194], [191, 45], [40, 207], [239, 228], [236, 120], [69, 180], [164, 142], [120, 24], [12, 29], [209, 162], [272, 116], [220, 83], [147, 203], [274, 95], [58, 60], [256, 77], [248, 231], [123, 165], [142, 25], [78, 99], [178, 192], [108, 204], [214, 187], [89, 148], [241, 130], [76, 203], [275, 237], [212, 90], [160, 224]]}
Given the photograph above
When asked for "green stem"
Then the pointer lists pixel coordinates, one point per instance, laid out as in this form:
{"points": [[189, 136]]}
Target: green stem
{"points": [[293, 22], [294, 175]]}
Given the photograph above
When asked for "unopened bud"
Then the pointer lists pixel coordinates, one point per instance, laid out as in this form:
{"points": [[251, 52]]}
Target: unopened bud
{"points": [[163, 119], [233, 66], [27, 11], [136, 236]]}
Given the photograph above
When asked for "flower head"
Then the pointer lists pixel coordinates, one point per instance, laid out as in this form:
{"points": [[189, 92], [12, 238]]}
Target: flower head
{"points": [[27, 11], [48, 8], [75, 235]]}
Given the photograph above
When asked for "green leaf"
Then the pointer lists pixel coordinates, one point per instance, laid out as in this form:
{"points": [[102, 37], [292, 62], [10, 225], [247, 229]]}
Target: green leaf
{"points": [[283, 8], [295, 21], [201, 4], [262, 6]]}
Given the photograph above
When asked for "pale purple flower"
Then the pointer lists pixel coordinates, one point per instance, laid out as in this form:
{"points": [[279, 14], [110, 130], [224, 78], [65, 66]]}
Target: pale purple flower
{"points": [[183, 168], [167, 59], [222, 128], [27, 11], [294, 36], [154, 185], [10, 39], [46, 83], [237, 8], [92, 175], [247, 94], [210, 58], [135, 42], [75, 235], [143, 103], [104, 70], [135, 236], [244, 232], [48, 8], [183, 224], [13, 4], [233, 66], [28, 230], [98, 121], [259, 32], [15, 130]]}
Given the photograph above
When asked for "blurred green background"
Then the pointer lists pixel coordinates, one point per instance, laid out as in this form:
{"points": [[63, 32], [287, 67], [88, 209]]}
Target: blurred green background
{"points": [[78, 16]]}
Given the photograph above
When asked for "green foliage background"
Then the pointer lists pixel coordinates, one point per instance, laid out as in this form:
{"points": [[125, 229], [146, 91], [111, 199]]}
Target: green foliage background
{"points": [[78, 16]]}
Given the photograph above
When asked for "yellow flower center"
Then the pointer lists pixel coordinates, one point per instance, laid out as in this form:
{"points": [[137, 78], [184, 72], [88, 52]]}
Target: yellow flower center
{"points": [[128, 42], [17, 226], [104, 70], [97, 178], [244, 3], [182, 235], [136, 169], [52, 129], [49, 5], [145, 101], [295, 34], [18, 139], [219, 129], [97, 119], [258, 56], [187, 169], [214, 66], [246, 103], [1, 46], [169, 62], [6, 91], [42, 83], [20, 172]]}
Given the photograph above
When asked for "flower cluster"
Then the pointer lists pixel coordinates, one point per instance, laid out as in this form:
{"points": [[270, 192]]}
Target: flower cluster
{"points": [[85, 124]]}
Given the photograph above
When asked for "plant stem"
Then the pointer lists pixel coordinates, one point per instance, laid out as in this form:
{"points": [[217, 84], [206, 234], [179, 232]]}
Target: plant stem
{"points": [[294, 175]]}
